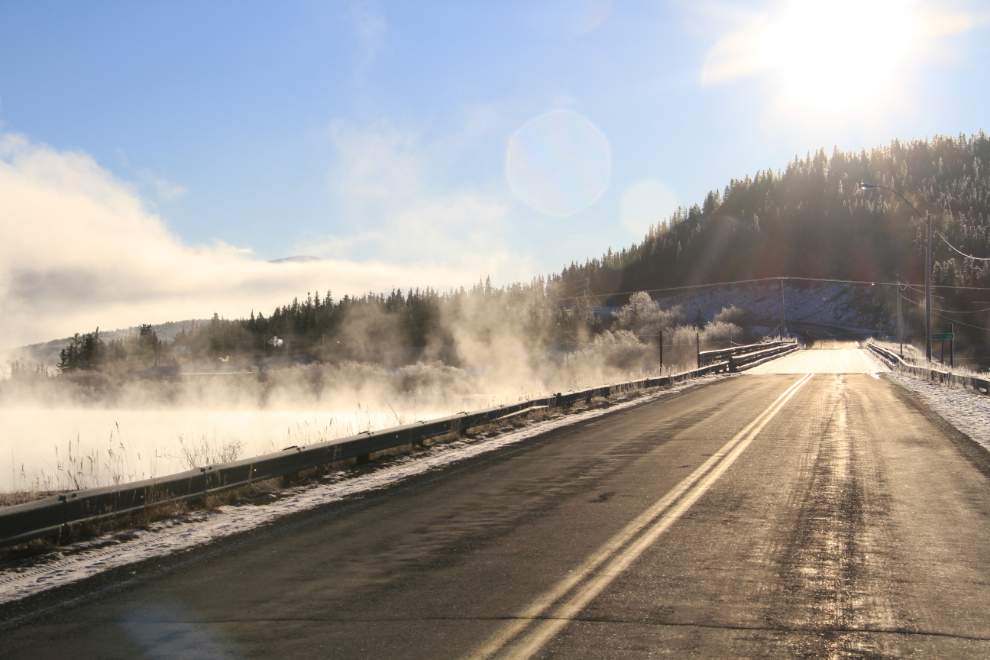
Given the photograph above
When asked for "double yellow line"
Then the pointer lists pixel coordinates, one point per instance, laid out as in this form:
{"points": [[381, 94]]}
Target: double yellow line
{"points": [[531, 629]]}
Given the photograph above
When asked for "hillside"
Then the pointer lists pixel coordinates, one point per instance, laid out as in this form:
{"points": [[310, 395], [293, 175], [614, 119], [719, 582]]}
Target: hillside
{"points": [[812, 220]]}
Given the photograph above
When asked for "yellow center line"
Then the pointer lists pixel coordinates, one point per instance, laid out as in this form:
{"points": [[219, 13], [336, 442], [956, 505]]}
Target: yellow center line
{"points": [[684, 495]]}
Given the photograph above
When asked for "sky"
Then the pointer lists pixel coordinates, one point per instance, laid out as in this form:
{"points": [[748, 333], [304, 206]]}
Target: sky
{"points": [[155, 156]]}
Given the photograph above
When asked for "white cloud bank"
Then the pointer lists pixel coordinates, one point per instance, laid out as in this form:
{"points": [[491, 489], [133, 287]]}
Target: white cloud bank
{"points": [[79, 249]]}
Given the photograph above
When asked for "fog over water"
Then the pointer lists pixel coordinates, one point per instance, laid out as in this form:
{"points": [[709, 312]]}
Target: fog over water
{"points": [[70, 447], [63, 434]]}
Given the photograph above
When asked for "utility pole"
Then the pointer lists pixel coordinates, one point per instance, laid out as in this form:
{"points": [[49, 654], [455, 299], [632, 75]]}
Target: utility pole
{"points": [[928, 292], [928, 266], [900, 320], [697, 348], [951, 334], [661, 351], [781, 309]]}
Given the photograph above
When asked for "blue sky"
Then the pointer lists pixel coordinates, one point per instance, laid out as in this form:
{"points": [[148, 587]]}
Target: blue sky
{"points": [[377, 135]]}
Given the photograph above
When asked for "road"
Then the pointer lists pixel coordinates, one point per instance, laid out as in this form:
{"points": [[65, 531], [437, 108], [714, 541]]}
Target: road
{"points": [[833, 357], [769, 515]]}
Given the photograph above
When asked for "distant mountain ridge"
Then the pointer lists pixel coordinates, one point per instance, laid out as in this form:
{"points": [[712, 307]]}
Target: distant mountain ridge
{"points": [[47, 352]]}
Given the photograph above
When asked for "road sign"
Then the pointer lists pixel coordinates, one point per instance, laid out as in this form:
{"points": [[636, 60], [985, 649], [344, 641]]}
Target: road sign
{"points": [[944, 335]]}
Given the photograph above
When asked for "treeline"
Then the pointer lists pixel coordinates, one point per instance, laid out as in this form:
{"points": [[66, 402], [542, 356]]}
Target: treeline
{"points": [[457, 326], [89, 352]]}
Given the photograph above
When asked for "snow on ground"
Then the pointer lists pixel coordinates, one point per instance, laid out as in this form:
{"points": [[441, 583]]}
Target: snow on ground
{"points": [[966, 410], [81, 560], [828, 361], [916, 355], [848, 305]]}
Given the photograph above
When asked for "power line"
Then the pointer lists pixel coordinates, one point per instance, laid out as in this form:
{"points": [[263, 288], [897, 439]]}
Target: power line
{"points": [[974, 311], [950, 311], [762, 279], [917, 289], [968, 325], [968, 256]]}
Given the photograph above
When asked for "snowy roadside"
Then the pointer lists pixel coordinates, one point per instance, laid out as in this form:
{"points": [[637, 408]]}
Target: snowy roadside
{"points": [[966, 410], [85, 559]]}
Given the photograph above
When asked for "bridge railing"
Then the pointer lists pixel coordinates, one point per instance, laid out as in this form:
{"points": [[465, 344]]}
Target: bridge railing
{"points": [[894, 361], [723, 354]]}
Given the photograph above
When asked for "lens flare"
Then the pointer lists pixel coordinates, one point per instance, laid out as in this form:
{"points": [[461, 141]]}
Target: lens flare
{"points": [[558, 163]]}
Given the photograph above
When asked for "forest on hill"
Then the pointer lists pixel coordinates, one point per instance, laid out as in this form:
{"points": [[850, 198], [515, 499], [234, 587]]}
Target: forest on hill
{"points": [[809, 221], [812, 220]]}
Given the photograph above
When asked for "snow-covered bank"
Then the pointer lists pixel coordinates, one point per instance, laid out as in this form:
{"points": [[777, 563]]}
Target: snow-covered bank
{"points": [[916, 356], [966, 410], [848, 305]]}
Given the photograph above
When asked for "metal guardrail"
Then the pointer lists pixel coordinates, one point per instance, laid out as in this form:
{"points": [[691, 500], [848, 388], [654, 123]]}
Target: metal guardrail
{"points": [[707, 357], [894, 361], [59, 514], [753, 359]]}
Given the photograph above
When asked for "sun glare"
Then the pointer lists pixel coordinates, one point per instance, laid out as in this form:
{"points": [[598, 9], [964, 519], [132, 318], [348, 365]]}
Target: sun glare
{"points": [[828, 55], [838, 53]]}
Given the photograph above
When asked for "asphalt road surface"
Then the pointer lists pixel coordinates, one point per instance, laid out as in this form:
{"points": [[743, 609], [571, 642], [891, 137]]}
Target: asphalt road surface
{"points": [[765, 515]]}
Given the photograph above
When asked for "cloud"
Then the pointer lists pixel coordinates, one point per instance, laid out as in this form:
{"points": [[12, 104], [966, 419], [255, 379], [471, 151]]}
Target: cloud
{"points": [[369, 28], [387, 183], [79, 249], [164, 190]]}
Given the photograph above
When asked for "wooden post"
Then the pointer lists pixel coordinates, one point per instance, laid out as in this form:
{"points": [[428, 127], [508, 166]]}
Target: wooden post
{"points": [[928, 291], [900, 319], [661, 352], [781, 309]]}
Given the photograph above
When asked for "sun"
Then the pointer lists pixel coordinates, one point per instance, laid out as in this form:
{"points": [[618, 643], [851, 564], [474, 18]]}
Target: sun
{"points": [[826, 55], [838, 53]]}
